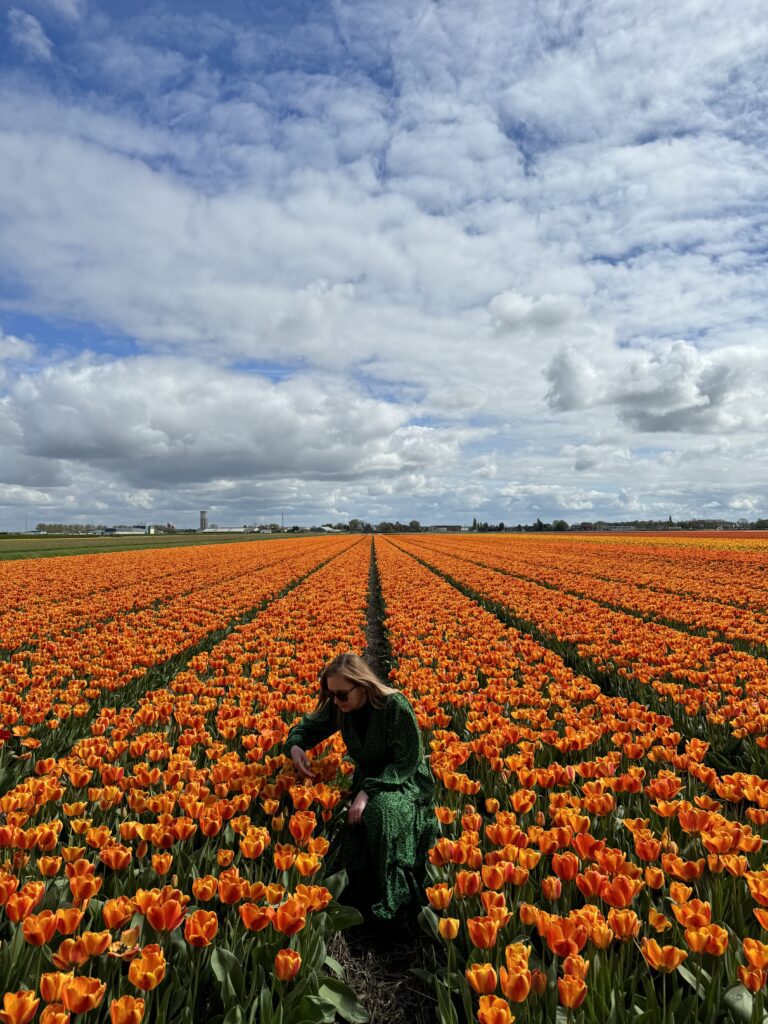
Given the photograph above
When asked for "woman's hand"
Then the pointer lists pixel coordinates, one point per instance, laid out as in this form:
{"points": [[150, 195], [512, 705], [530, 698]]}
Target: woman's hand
{"points": [[301, 763], [357, 807]]}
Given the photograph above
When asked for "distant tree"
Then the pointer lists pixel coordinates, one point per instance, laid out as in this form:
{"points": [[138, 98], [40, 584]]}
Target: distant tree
{"points": [[560, 525], [414, 526], [474, 525], [501, 527], [538, 526]]}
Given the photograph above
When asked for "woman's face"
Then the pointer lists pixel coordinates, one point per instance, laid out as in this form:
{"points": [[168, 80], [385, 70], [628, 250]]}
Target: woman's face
{"points": [[347, 696]]}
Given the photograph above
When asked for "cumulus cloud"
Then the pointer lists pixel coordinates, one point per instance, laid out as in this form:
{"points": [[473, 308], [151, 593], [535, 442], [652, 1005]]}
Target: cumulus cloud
{"points": [[477, 245], [668, 387], [29, 35]]}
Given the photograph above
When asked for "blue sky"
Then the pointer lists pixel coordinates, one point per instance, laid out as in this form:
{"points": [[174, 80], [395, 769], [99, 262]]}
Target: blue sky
{"points": [[416, 259]]}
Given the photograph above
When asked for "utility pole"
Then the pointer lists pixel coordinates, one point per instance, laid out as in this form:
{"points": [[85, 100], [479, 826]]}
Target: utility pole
{"points": [[282, 520]]}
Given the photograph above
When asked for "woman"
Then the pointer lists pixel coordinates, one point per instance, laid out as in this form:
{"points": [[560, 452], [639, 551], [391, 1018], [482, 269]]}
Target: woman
{"points": [[391, 823]]}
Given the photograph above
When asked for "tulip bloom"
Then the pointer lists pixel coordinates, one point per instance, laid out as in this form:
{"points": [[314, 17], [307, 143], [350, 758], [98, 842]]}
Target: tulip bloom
{"points": [[565, 936], [572, 991], [55, 1013], [483, 931], [126, 1010], [19, 1007], [448, 927], [662, 958], [147, 970], [166, 916], [710, 938], [494, 1010], [482, 978], [287, 964], [200, 928], [291, 916], [52, 983], [117, 912], [68, 920], [516, 982], [40, 928], [439, 895], [256, 918], [83, 994], [756, 953], [205, 888]]}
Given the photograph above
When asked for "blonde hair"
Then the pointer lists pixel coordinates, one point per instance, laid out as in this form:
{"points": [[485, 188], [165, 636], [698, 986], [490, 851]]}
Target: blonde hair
{"points": [[355, 670]]}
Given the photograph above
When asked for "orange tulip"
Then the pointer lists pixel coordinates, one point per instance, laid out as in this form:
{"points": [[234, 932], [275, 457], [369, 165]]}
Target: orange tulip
{"points": [[448, 927], [287, 964], [55, 1013], [694, 914], [565, 866], [117, 857], [95, 943], [624, 923], [166, 916], [494, 1010], [662, 958], [147, 970], [516, 982], [756, 953], [117, 912], [19, 1007], [709, 938], [83, 994], [126, 1010], [576, 967], [291, 916], [52, 983], [751, 978], [68, 920], [161, 863], [40, 928], [482, 978], [256, 918], [565, 936], [483, 931], [620, 891], [200, 928], [572, 991], [205, 888], [551, 888], [439, 895]]}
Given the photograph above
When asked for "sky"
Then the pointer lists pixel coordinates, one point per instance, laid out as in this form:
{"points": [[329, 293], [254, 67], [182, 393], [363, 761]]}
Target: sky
{"points": [[431, 259]]}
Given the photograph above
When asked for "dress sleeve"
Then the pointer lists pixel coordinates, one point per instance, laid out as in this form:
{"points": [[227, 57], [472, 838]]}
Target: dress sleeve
{"points": [[312, 729], [406, 753]]}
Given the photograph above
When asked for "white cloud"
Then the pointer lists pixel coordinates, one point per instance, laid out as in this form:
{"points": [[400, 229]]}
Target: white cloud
{"points": [[485, 244], [29, 35]]}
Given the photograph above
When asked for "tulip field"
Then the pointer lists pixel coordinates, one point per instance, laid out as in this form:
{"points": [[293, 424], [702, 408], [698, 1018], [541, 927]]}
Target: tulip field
{"points": [[594, 709]]}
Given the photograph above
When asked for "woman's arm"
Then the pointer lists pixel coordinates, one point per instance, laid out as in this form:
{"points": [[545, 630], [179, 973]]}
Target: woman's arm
{"points": [[312, 729], [406, 749]]}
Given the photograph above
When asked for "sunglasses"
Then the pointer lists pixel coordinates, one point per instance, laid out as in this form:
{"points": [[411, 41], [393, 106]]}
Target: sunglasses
{"points": [[342, 696]]}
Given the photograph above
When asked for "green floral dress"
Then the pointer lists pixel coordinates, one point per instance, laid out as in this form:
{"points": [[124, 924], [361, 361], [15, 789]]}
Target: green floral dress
{"points": [[386, 855]]}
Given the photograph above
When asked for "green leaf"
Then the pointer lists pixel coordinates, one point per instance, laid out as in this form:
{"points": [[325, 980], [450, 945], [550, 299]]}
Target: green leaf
{"points": [[234, 1016], [446, 1011], [428, 920], [335, 966], [336, 884], [313, 952], [344, 1000], [343, 917], [740, 1002], [229, 975], [314, 1009]]}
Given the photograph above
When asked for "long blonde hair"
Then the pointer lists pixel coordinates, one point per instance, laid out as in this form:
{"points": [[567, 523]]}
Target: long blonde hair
{"points": [[355, 670]]}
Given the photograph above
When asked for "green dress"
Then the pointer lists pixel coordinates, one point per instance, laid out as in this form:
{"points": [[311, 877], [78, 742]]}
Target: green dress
{"points": [[385, 856]]}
